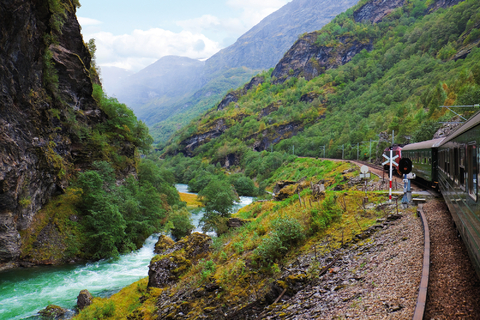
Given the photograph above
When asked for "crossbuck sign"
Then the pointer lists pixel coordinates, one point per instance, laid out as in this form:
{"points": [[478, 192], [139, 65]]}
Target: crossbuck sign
{"points": [[390, 160]]}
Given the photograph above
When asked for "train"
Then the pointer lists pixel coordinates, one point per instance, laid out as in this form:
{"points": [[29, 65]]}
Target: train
{"points": [[396, 151], [451, 164]]}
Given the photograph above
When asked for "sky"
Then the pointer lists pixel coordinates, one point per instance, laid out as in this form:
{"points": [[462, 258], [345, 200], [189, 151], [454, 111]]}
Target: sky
{"points": [[134, 34]]}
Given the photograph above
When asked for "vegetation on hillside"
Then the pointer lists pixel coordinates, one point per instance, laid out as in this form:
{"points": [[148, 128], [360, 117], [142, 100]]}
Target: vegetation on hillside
{"points": [[167, 119], [412, 70], [247, 260]]}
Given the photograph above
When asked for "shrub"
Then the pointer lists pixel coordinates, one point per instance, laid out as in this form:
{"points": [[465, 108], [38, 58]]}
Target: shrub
{"points": [[330, 211], [182, 223], [286, 233]]}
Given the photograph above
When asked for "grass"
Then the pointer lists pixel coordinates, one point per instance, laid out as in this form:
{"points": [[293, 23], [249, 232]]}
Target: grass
{"points": [[190, 199], [56, 213], [123, 303]]}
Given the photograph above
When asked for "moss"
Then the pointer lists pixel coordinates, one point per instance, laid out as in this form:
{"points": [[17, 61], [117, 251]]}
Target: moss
{"points": [[164, 243], [57, 214]]}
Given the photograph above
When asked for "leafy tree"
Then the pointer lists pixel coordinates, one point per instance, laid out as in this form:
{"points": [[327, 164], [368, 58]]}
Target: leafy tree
{"points": [[243, 185], [182, 223], [218, 198]]}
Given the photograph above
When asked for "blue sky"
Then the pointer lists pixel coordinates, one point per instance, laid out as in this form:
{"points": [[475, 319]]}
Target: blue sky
{"points": [[134, 34]]}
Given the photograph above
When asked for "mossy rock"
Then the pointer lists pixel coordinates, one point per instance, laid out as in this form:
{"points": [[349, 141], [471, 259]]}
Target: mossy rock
{"points": [[164, 243], [165, 269], [52, 312]]}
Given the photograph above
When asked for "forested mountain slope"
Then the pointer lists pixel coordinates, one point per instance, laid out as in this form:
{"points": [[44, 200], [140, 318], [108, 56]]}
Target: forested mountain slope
{"points": [[166, 110], [381, 66]]}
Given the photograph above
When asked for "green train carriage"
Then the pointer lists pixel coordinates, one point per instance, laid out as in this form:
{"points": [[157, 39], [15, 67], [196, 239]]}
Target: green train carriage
{"points": [[457, 172], [424, 157]]}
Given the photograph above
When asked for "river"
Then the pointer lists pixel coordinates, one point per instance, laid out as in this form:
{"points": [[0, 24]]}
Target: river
{"points": [[24, 292]]}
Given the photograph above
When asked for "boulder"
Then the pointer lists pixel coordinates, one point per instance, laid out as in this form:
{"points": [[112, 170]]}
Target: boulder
{"points": [[235, 223], [164, 243], [84, 299], [166, 267], [282, 184], [52, 312]]}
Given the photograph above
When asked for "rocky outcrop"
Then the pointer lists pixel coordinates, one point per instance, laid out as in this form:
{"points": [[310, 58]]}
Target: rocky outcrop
{"points": [[84, 299], [52, 312], [269, 109], [229, 98], [274, 134], [175, 260], [234, 96], [309, 60], [309, 97], [190, 144], [375, 11]]}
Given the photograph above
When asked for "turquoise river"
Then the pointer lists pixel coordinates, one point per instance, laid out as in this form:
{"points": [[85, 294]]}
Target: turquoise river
{"points": [[24, 292]]}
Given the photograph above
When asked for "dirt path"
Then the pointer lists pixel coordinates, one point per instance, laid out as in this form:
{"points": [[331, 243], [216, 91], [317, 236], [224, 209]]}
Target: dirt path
{"points": [[454, 288]]}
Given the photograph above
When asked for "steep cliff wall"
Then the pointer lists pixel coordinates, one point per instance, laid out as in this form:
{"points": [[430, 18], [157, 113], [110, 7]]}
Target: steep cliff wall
{"points": [[45, 105]]}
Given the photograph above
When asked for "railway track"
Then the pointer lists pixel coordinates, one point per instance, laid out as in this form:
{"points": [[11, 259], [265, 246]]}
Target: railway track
{"points": [[423, 286]]}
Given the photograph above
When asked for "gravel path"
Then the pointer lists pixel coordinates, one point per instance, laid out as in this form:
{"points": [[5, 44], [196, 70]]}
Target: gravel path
{"points": [[454, 288], [375, 279]]}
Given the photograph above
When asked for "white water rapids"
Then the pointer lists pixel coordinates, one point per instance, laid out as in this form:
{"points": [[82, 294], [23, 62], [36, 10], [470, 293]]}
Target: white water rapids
{"points": [[24, 292]]}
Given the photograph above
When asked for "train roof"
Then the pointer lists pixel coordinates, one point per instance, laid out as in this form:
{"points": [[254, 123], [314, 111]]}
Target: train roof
{"points": [[435, 143], [472, 122]]}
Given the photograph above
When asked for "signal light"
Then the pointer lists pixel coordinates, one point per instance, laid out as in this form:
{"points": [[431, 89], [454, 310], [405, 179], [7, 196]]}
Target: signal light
{"points": [[405, 165]]}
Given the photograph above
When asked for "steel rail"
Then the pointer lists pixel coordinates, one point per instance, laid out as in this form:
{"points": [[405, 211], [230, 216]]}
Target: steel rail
{"points": [[422, 290]]}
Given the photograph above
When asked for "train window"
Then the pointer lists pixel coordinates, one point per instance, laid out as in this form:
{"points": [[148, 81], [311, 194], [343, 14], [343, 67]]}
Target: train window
{"points": [[461, 176], [472, 171], [450, 162], [455, 166]]}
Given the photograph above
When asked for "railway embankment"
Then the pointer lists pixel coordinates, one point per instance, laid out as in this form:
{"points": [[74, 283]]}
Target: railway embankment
{"points": [[375, 278]]}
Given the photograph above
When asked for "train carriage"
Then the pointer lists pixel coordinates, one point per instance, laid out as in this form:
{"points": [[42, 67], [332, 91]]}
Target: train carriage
{"points": [[424, 159], [458, 163]]}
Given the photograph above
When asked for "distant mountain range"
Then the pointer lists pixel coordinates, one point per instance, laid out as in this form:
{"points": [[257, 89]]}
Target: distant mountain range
{"points": [[174, 90]]}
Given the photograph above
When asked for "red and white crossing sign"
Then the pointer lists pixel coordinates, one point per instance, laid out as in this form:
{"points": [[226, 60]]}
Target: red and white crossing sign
{"points": [[390, 160]]}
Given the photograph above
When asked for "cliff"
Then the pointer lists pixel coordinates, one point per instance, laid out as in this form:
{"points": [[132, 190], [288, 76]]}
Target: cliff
{"points": [[47, 111]]}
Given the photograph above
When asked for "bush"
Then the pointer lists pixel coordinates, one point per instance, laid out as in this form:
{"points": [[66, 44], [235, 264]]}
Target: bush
{"points": [[286, 233], [243, 185], [330, 211], [182, 223]]}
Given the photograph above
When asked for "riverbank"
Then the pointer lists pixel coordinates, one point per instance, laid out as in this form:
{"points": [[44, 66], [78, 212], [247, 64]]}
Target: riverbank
{"points": [[25, 291]]}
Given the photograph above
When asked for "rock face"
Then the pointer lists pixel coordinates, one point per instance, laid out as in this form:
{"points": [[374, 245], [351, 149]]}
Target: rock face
{"points": [[309, 60], [174, 260], [375, 11], [46, 94]]}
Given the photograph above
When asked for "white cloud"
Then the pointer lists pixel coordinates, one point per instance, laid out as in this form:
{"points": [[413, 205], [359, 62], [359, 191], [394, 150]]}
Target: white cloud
{"points": [[88, 22], [251, 13], [254, 11], [140, 48], [204, 22]]}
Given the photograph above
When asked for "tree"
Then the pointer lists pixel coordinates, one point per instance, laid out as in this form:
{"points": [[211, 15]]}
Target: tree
{"points": [[218, 198]]}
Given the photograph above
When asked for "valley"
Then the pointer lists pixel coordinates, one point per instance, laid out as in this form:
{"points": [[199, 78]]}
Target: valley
{"points": [[222, 188]]}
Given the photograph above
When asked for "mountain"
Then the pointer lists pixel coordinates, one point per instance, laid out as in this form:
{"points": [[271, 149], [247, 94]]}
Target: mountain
{"points": [[112, 78], [170, 77], [378, 67], [167, 108], [265, 44]]}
